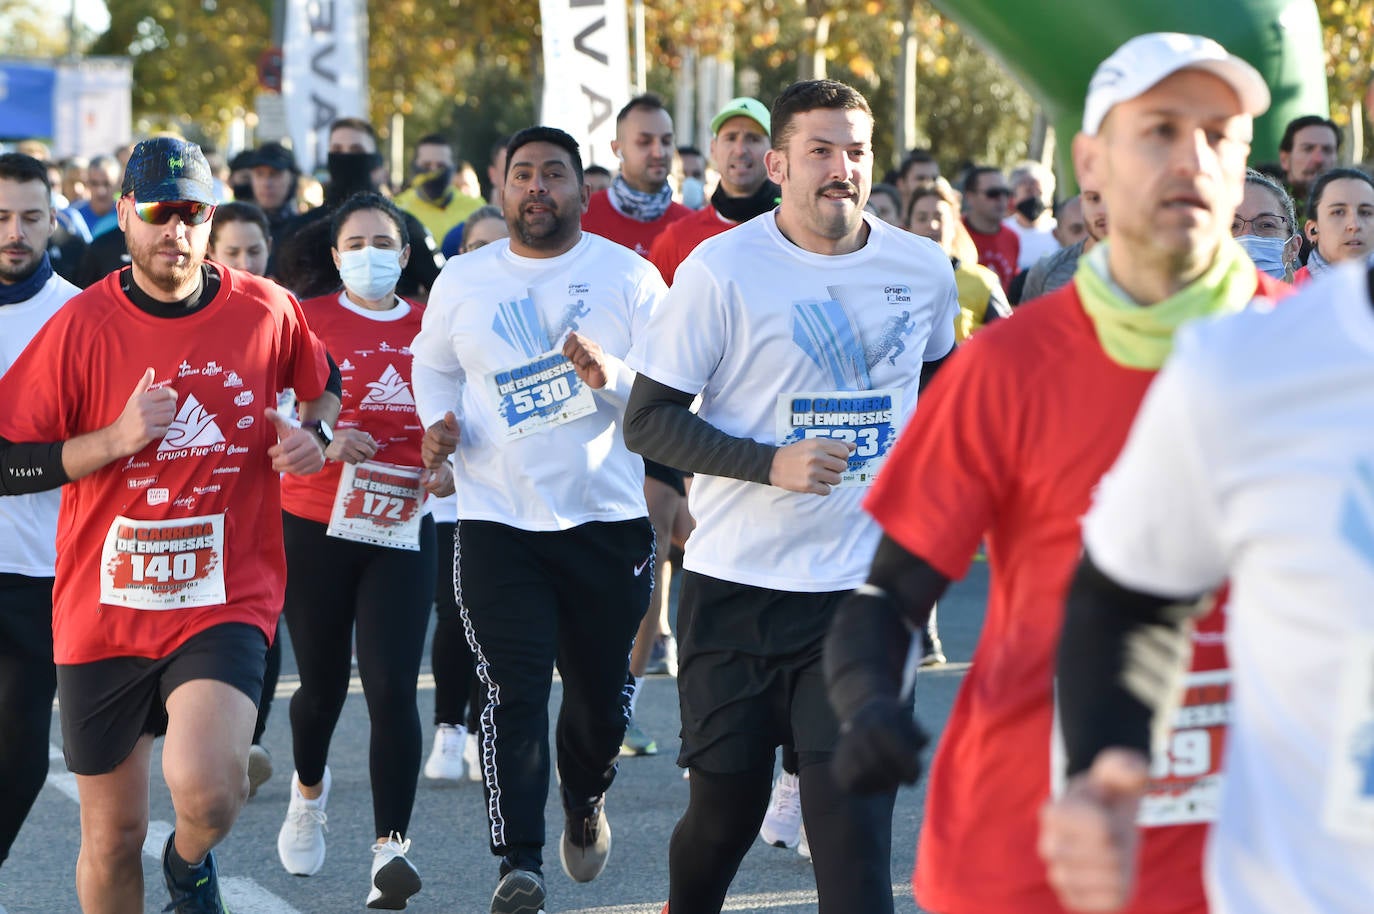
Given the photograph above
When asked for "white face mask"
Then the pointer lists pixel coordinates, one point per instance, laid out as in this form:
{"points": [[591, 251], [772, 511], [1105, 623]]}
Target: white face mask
{"points": [[693, 193], [370, 273], [1267, 253]]}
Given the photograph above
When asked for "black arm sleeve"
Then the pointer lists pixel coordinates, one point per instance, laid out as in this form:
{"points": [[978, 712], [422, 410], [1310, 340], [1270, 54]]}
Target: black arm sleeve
{"points": [[660, 425], [29, 468], [928, 370], [871, 633], [1120, 655], [335, 383]]}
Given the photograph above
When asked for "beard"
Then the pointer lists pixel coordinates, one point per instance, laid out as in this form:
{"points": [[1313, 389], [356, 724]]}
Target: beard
{"points": [[548, 230], [167, 277], [25, 269]]}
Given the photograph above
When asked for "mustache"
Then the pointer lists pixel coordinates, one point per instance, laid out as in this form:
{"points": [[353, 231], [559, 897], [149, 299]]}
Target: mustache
{"points": [[843, 186], [17, 248]]}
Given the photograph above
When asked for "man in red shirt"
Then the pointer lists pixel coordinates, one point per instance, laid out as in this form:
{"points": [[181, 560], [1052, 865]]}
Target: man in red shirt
{"points": [[170, 571], [739, 138], [1007, 446], [986, 195]]}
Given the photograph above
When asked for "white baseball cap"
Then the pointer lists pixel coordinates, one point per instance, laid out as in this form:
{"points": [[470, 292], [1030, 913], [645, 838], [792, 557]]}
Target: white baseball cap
{"points": [[1145, 60]]}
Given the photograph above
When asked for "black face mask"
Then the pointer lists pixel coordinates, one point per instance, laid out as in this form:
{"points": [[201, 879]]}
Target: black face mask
{"points": [[243, 193], [350, 172], [1032, 208], [435, 183]]}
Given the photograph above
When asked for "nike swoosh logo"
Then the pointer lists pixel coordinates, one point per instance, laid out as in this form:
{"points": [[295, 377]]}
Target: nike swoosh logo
{"points": [[639, 569]]}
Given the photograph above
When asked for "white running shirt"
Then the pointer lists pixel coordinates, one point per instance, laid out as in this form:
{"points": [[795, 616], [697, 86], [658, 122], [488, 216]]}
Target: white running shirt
{"points": [[484, 351], [28, 523], [1252, 458], [782, 343]]}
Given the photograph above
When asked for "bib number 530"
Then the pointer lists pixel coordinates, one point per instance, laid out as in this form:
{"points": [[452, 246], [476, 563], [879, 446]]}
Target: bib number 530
{"points": [[541, 395]]}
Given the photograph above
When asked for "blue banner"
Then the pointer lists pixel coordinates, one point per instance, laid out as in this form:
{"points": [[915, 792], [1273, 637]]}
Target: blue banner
{"points": [[26, 101]]}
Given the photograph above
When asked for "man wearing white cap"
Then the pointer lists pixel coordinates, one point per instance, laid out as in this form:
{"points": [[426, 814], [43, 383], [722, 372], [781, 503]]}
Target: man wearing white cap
{"points": [[1010, 441]]}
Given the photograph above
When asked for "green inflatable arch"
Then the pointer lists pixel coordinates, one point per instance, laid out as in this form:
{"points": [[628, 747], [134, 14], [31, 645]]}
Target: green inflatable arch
{"points": [[1053, 46]]}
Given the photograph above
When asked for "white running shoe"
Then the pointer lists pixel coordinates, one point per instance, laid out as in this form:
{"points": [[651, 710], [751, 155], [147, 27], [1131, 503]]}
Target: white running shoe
{"points": [[394, 878], [446, 759], [300, 843], [804, 846], [472, 757], [783, 821]]}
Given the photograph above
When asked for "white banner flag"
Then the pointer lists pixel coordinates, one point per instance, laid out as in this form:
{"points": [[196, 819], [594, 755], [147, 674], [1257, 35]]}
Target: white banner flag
{"points": [[586, 71], [324, 72]]}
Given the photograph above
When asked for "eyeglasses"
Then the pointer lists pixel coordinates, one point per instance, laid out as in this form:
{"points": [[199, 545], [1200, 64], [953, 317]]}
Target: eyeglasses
{"points": [[996, 192], [1266, 225], [160, 213]]}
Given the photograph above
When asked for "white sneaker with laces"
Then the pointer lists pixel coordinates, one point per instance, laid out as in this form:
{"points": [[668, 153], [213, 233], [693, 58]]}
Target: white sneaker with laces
{"points": [[472, 757], [394, 878], [446, 758], [300, 843], [782, 823]]}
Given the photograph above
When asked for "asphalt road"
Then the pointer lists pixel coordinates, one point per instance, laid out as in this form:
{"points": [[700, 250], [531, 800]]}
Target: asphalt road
{"points": [[448, 830]]}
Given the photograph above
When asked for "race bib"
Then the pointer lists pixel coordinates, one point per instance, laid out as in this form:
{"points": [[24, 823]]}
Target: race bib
{"points": [[379, 504], [1185, 777], [1349, 806], [866, 419], [539, 395], [164, 564]]}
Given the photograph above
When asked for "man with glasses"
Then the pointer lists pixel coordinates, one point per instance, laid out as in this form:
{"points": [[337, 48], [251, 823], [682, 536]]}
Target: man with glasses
{"points": [[1265, 226], [985, 206], [170, 573]]}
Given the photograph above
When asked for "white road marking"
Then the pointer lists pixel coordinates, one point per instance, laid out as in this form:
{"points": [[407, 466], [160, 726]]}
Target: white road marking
{"points": [[757, 902]]}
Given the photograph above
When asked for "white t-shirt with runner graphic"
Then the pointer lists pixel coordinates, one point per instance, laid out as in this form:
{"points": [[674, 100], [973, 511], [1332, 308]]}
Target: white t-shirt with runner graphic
{"points": [[539, 450], [1252, 458], [28, 523], [784, 344]]}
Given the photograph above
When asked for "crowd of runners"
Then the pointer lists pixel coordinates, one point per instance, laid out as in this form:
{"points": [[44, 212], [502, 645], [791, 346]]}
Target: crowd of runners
{"points": [[1148, 405]]}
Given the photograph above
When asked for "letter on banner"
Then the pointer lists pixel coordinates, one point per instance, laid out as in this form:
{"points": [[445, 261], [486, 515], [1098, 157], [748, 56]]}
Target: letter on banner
{"points": [[586, 70], [324, 72]]}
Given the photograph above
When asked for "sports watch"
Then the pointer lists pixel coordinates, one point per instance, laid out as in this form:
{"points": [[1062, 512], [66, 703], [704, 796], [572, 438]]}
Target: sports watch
{"points": [[322, 431]]}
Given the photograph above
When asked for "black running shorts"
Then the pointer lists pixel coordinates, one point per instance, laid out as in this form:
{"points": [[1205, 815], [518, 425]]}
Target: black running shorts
{"points": [[106, 705]]}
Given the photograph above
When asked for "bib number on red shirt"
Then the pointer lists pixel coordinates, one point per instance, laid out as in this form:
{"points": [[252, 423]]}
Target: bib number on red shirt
{"points": [[378, 504], [164, 564], [1185, 777]]}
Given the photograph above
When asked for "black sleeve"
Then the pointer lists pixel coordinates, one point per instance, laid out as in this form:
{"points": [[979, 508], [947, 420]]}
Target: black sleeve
{"points": [[928, 370], [867, 645], [1016, 290], [335, 383], [420, 271], [660, 425], [1120, 654], [29, 468]]}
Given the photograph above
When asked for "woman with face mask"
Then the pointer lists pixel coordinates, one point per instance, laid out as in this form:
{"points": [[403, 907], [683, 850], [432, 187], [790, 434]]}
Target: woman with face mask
{"points": [[1265, 226], [1340, 220], [360, 554]]}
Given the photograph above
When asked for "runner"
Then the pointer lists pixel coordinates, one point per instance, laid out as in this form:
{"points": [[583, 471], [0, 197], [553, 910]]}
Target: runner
{"points": [[519, 369], [1251, 462], [456, 690], [30, 294], [807, 333], [169, 574], [1009, 444], [360, 555]]}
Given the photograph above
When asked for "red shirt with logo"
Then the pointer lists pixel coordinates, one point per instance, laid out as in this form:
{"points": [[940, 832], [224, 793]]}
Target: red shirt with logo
{"points": [[1018, 472], [372, 349], [999, 252], [678, 240], [601, 218], [186, 533]]}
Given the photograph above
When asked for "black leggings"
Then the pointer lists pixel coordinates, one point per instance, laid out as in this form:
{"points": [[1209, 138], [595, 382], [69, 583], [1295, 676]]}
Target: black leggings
{"points": [[850, 838], [28, 681], [455, 678], [333, 586]]}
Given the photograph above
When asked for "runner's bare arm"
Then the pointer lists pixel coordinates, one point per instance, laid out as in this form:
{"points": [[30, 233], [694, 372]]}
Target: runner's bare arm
{"points": [[299, 450]]}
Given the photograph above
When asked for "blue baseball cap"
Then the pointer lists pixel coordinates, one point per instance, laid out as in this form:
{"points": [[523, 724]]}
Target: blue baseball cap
{"points": [[167, 168]]}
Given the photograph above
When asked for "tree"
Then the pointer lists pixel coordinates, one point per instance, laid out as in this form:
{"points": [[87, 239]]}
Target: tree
{"points": [[26, 30]]}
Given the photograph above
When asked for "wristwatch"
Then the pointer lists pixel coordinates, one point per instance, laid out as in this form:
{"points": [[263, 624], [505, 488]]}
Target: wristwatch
{"points": [[322, 431]]}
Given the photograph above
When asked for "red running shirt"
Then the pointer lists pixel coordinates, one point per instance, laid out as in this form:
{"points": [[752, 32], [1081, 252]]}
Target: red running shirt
{"points": [[227, 362], [373, 355], [1007, 445], [601, 218], [998, 252], [678, 240]]}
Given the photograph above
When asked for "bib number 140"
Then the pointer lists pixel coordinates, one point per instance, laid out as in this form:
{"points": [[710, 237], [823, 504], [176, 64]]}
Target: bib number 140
{"points": [[162, 568]]}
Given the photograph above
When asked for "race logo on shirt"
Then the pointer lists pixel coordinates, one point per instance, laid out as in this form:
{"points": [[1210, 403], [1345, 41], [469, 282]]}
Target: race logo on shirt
{"points": [[193, 431], [390, 392], [521, 324], [852, 411]]}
